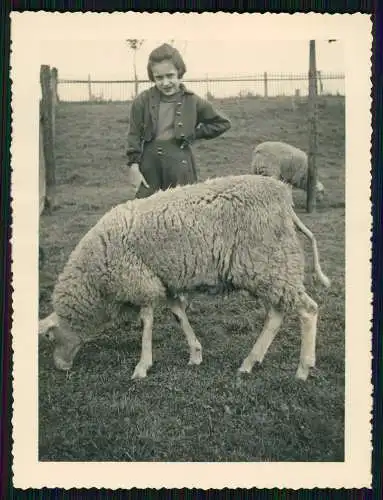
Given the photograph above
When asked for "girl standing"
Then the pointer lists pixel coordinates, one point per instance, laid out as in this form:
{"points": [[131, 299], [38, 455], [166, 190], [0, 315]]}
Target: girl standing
{"points": [[164, 121]]}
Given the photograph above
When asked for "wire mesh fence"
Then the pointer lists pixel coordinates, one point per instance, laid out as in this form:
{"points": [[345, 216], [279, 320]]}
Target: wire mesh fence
{"points": [[258, 85]]}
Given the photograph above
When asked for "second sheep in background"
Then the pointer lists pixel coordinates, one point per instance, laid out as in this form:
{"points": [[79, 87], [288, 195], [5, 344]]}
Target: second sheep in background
{"points": [[284, 162]]}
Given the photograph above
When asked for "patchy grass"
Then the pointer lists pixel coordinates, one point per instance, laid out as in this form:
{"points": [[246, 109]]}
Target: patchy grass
{"points": [[184, 413]]}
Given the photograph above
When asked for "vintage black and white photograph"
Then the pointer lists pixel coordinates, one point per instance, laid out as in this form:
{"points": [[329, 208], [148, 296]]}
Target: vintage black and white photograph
{"points": [[190, 244]]}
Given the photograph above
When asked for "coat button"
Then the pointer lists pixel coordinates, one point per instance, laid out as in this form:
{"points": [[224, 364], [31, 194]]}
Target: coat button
{"points": [[180, 124], [182, 136], [178, 113], [184, 161], [179, 103]]}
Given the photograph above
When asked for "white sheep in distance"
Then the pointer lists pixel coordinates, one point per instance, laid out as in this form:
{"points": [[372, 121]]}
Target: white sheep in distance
{"points": [[284, 162], [238, 231]]}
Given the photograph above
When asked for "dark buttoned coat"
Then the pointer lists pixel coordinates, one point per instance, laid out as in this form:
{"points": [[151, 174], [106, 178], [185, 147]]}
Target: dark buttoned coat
{"points": [[196, 118]]}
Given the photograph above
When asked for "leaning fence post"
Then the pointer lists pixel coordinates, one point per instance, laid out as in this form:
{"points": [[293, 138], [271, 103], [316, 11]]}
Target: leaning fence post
{"points": [[47, 124], [312, 170]]}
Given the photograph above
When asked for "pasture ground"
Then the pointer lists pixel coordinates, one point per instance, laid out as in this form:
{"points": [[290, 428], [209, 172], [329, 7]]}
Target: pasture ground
{"points": [[206, 413]]}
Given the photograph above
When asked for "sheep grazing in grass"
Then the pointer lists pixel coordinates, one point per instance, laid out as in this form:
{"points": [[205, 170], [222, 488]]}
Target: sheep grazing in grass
{"points": [[284, 162], [238, 231]]}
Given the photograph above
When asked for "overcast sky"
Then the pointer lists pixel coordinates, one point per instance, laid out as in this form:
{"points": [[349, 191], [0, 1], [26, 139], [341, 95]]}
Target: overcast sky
{"points": [[79, 45], [112, 59]]}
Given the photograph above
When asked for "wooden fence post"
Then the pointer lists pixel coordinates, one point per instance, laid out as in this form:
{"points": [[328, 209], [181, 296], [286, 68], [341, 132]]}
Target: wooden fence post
{"points": [[47, 124], [42, 169], [54, 77], [54, 103], [312, 170], [265, 92]]}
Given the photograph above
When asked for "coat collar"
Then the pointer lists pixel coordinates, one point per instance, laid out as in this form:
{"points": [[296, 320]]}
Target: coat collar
{"points": [[154, 99], [185, 90], [155, 94]]}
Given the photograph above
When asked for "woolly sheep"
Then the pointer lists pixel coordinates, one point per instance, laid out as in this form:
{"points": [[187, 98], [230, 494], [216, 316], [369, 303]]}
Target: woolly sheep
{"points": [[284, 162], [236, 230]]}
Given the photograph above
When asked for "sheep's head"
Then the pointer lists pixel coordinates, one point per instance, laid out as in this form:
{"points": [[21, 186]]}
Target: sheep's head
{"points": [[319, 191], [67, 343], [47, 327]]}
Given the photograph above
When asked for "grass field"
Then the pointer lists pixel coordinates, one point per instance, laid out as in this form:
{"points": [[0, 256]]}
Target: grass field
{"points": [[184, 413]]}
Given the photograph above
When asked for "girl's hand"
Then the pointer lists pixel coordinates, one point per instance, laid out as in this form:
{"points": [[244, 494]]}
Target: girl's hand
{"points": [[137, 175]]}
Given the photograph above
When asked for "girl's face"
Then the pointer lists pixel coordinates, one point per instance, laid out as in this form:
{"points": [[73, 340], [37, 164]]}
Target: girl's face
{"points": [[166, 78]]}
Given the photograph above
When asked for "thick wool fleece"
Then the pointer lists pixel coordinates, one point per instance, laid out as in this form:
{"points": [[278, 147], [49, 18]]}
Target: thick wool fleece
{"points": [[235, 230], [281, 161]]}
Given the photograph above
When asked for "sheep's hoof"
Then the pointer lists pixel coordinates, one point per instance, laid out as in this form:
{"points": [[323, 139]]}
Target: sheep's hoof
{"points": [[195, 358], [140, 372], [302, 373], [246, 367]]}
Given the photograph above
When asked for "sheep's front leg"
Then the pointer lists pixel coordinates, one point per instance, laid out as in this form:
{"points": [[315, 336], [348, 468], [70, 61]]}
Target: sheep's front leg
{"points": [[177, 307], [146, 316], [308, 313], [270, 329]]}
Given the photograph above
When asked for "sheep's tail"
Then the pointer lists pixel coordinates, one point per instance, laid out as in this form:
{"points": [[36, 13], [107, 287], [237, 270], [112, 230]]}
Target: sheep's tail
{"points": [[323, 278]]}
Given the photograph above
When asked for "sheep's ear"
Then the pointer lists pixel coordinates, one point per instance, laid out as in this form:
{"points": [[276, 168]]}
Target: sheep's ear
{"points": [[47, 326]]}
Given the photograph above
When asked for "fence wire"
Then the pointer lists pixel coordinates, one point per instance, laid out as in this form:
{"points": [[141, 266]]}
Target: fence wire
{"points": [[259, 85]]}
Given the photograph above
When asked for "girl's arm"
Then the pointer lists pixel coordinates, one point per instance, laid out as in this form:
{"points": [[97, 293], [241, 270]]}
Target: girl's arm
{"points": [[210, 122], [134, 147]]}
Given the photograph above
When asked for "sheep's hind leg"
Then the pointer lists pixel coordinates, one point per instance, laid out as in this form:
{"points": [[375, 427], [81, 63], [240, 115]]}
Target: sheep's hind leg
{"points": [[146, 316], [177, 306], [272, 324], [308, 312]]}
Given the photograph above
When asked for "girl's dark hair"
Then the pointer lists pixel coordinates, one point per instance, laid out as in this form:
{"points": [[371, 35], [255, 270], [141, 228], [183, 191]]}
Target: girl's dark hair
{"points": [[166, 52]]}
